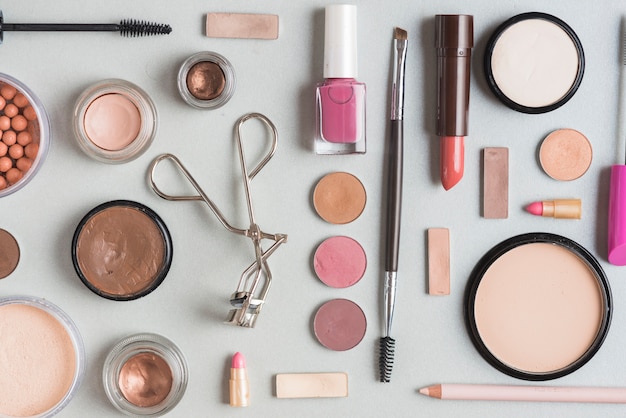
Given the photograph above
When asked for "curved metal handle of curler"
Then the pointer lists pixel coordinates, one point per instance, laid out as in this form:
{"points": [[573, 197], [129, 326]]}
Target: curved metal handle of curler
{"points": [[250, 174], [202, 196]]}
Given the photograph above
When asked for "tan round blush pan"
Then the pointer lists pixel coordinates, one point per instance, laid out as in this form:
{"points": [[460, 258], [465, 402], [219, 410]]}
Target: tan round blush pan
{"points": [[339, 198], [538, 306], [565, 154]]}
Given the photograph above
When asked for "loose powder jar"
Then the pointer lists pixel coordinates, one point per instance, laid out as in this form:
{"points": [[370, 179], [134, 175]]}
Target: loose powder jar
{"points": [[42, 359], [122, 250]]}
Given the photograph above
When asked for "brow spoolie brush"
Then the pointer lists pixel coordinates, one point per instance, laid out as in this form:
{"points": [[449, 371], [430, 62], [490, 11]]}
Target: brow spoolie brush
{"points": [[394, 200], [127, 27]]}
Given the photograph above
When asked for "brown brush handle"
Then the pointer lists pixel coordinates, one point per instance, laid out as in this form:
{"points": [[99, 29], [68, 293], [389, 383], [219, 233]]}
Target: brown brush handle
{"points": [[394, 195]]}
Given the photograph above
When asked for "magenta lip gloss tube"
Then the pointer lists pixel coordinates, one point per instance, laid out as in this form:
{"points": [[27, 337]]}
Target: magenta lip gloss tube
{"points": [[340, 98]]}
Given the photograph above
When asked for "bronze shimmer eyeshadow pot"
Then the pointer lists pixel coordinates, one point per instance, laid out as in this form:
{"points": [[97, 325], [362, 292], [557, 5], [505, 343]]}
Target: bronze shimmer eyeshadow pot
{"points": [[122, 250], [145, 374]]}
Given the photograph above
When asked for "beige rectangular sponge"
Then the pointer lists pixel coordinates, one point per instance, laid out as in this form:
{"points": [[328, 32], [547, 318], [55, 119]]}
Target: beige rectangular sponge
{"points": [[241, 25], [438, 261], [311, 385], [496, 183]]}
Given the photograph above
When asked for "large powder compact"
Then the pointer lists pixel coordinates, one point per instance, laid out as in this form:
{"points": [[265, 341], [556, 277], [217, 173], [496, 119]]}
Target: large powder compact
{"points": [[538, 306], [122, 250], [534, 62]]}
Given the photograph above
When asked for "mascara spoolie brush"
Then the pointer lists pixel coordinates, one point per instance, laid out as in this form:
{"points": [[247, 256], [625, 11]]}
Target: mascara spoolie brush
{"points": [[127, 27], [394, 201]]}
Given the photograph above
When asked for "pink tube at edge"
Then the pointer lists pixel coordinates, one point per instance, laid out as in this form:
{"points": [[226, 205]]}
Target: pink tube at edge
{"points": [[617, 216]]}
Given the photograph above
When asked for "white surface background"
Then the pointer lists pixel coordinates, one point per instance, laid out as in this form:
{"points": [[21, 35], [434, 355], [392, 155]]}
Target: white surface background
{"points": [[277, 78]]}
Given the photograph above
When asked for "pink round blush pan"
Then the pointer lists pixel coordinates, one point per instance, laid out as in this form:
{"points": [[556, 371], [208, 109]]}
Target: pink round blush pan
{"points": [[340, 262], [339, 324]]}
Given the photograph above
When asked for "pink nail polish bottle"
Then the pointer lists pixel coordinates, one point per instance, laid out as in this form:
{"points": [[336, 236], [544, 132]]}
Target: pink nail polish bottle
{"points": [[340, 98]]}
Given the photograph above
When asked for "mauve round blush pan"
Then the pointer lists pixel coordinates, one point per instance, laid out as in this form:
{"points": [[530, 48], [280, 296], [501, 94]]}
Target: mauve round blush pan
{"points": [[339, 324]]}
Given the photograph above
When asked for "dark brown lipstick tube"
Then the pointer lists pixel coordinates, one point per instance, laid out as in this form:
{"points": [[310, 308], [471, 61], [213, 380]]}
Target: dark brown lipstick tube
{"points": [[454, 40]]}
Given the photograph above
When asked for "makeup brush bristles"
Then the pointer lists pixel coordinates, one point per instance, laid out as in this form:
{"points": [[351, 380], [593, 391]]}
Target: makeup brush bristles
{"points": [[132, 28], [399, 34], [385, 361]]}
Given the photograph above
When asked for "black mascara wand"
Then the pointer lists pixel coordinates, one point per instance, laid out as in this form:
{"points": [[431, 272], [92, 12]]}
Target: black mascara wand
{"points": [[127, 27]]}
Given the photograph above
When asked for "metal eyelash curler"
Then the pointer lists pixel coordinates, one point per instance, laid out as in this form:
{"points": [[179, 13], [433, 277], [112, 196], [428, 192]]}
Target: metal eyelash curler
{"points": [[256, 279]]}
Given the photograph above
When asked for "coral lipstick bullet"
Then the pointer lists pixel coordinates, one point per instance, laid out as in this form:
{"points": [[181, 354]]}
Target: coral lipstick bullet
{"points": [[452, 160]]}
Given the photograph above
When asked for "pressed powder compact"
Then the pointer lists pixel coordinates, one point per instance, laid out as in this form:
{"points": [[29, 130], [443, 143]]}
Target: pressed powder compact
{"points": [[206, 80], [538, 306], [145, 374], [534, 62], [122, 250]]}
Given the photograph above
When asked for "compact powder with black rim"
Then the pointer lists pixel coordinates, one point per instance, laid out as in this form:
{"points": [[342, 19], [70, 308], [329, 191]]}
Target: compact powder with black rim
{"points": [[538, 306], [122, 250], [534, 62]]}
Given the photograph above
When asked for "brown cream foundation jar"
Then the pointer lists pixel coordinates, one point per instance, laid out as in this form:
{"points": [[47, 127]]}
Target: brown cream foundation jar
{"points": [[122, 250]]}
